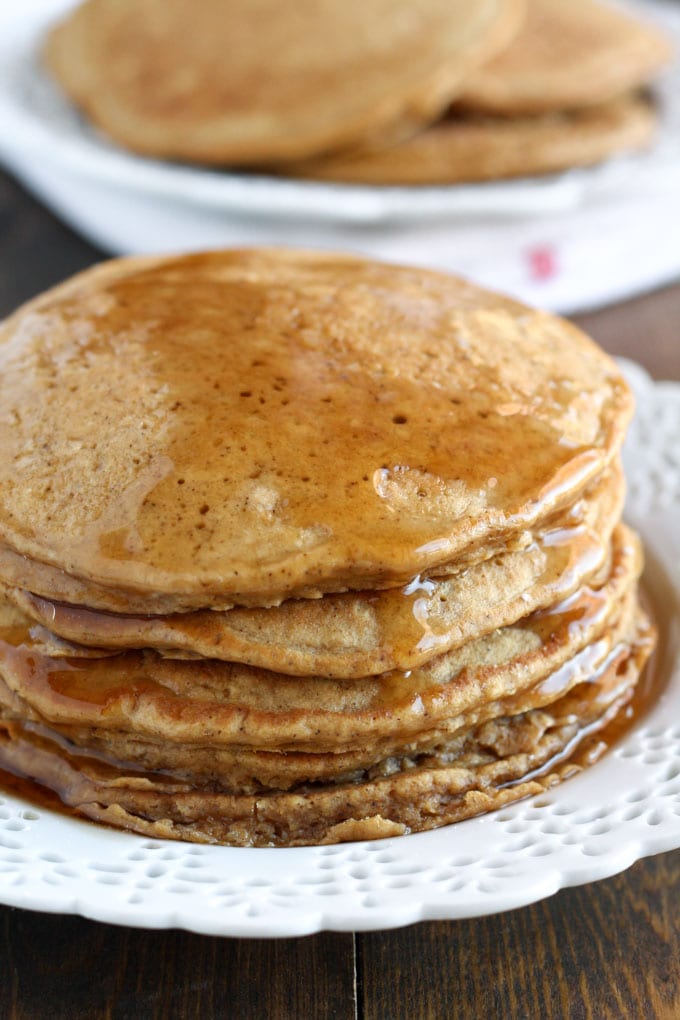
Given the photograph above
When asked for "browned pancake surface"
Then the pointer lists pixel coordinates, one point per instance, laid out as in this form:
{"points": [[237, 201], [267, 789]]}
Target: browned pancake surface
{"points": [[247, 426], [263, 80], [569, 53], [361, 633], [469, 147]]}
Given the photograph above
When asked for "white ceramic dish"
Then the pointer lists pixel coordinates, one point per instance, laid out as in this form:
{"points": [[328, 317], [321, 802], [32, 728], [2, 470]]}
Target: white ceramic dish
{"points": [[45, 123], [625, 807], [565, 241]]}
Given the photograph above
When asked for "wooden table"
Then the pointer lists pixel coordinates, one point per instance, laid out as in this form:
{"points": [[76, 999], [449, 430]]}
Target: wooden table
{"points": [[611, 949]]}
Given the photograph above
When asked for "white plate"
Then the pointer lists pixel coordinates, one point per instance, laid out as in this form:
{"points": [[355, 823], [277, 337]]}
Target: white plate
{"points": [[625, 807], [44, 122], [564, 242]]}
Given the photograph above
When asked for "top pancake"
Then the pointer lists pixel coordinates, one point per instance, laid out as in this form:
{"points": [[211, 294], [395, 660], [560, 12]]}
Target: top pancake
{"points": [[257, 81], [568, 54], [240, 427]]}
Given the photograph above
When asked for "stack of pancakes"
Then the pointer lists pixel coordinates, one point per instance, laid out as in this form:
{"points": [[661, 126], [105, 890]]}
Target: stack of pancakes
{"points": [[299, 548], [426, 92]]}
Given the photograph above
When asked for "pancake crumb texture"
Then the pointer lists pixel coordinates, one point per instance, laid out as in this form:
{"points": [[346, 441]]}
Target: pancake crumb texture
{"points": [[298, 548]]}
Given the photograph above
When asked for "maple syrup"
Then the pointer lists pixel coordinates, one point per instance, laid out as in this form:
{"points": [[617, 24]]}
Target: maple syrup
{"points": [[234, 427]]}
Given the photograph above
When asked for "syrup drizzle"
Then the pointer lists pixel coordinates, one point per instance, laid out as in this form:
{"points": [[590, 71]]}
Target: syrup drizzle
{"points": [[587, 746], [319, 450]]}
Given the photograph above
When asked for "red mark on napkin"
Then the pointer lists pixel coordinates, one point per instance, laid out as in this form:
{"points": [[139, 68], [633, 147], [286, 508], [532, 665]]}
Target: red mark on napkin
{"points": [[542, 261]]}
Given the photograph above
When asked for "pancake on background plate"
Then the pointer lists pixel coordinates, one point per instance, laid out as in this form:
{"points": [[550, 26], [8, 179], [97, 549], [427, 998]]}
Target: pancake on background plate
{"points": [[565, 92], [568, 54], [298, 547], [375, 92], [259, 81], [466, 147]]}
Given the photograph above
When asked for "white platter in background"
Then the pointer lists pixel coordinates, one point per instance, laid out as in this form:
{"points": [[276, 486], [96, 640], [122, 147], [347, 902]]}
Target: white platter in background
{"points": [[566, 241]]}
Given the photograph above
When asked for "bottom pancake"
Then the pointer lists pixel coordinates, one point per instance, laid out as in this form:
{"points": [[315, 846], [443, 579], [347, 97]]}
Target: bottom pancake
{"points": [[500, 761], [464, 148]]}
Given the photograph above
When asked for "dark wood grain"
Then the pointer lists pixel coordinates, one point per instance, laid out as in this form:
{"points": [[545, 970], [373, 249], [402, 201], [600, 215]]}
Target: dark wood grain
{"points": [[36, 250], [611, 949], [599, 951], [646, 329], [66, 967]]}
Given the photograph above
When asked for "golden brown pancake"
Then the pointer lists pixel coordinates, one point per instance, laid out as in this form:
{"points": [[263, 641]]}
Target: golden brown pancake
{"points": [[568, 54], [215, 705], [496, 764], [242, 427], [259, 81], [360, 633], [235, 768], [367, 519], [468, 147]]}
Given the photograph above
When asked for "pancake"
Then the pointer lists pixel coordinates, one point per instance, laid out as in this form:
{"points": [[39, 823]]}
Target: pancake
{"points": [[247, 769], [467, 147], [567, 55], [421, 794], [19, 572], [265, 81], [357, 634], [217, 705], [297, 548], [237, 428]]}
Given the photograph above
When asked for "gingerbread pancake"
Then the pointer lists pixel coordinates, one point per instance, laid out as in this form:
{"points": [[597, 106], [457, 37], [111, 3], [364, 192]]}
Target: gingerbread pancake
{"points": [[568, 54], [264, 81], [357, 634], [467, 147], [299, 548], [237, 428]]}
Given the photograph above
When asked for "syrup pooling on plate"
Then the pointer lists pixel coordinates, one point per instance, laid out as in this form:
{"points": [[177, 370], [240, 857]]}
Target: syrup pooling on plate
{"points": [[340, 449]]}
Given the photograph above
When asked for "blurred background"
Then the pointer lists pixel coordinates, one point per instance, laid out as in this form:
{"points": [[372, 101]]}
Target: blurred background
{"points": [[489, 183]]}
